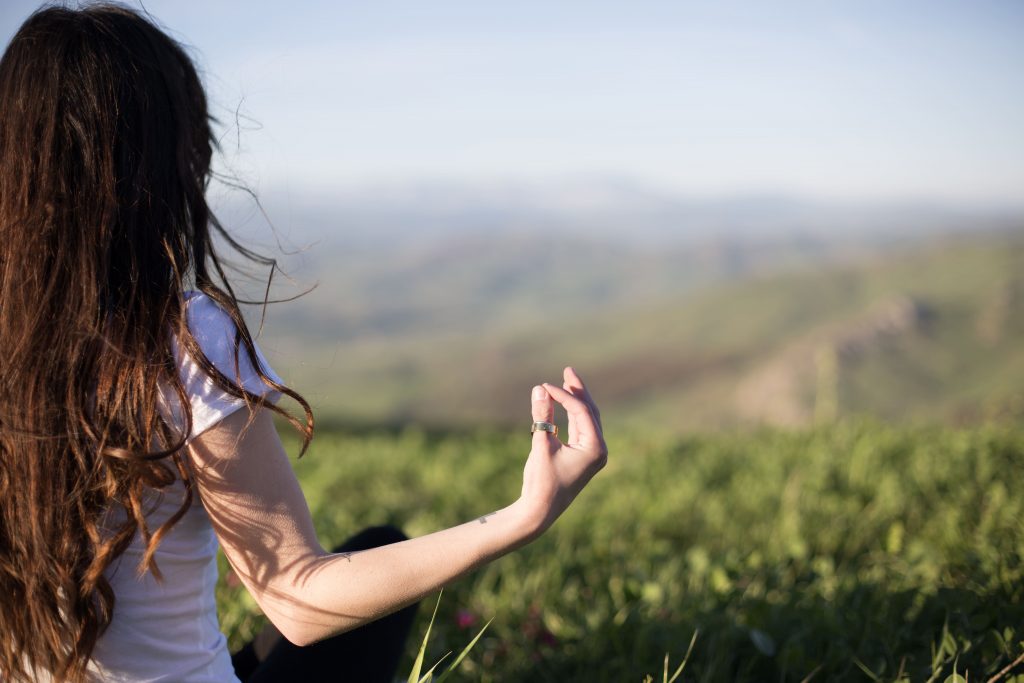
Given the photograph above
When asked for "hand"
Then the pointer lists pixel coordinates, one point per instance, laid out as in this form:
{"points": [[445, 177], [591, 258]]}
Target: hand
{"points": [[556, 472]]}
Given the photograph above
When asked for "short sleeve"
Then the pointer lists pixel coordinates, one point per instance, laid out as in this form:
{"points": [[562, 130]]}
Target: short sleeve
{"points": [[214, 332]]}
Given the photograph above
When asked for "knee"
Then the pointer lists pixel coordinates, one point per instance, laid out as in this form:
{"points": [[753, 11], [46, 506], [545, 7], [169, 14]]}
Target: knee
{"points": [[385, 534], [372, 537]]}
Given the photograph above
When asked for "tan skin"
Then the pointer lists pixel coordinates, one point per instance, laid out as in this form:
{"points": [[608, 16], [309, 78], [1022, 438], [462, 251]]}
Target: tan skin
{"points": [[264, 526]]}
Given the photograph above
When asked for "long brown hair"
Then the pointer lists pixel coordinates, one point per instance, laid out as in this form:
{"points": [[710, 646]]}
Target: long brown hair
{"points": [[105, 149]]}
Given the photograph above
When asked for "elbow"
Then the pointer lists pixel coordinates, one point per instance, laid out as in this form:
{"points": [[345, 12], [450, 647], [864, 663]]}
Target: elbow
{"points": [[301, 618], [297, 630], [297, 633], [298, 637], [301, 628], [303, 636]]}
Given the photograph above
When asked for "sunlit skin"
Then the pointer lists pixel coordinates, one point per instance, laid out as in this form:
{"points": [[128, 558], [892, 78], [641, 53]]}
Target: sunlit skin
{"points": [[265, 529]]}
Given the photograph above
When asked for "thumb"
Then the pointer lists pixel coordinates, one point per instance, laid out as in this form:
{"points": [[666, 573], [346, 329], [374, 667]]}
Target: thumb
{"points": [[543, 409]]}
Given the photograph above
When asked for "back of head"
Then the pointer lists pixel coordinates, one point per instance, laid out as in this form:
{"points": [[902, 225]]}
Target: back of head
{"points": [[105, 150], [104, 157]]}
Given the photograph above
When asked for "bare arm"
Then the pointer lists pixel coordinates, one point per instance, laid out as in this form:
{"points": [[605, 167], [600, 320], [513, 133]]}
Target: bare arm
{"points": [[263, 522]]}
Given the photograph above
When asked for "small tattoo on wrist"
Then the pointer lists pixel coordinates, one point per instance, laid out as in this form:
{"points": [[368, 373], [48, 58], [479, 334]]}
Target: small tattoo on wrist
{"points": [[483, 519]]}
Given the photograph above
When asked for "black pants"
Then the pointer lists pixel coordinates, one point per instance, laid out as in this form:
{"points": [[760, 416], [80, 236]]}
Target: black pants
{"points": [[369, 653]]}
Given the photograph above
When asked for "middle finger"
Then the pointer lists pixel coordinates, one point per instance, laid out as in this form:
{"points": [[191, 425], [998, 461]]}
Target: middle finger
{"points": [[573, 380]]}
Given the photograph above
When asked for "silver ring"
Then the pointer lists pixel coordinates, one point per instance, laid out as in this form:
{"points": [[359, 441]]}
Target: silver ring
{"points": [[544, 427]]}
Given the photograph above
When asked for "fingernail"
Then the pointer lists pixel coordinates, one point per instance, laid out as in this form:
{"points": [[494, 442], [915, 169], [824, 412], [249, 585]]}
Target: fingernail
{"points": [[539, 393]]}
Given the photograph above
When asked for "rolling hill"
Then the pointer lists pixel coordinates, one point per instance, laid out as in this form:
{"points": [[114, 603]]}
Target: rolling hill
{"points": [[683, 338]]}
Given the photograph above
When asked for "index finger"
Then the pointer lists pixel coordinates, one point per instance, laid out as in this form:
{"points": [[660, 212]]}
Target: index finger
{"points": [[580, 410]]}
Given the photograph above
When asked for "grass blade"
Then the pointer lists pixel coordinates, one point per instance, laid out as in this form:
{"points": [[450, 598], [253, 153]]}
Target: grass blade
{"points": [[1006, 669], [462, 655], [686, 658], [429, 676], [414, 675], [867, 672]]}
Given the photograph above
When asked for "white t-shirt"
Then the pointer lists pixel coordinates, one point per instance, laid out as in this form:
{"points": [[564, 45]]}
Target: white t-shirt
{"points": [[168, 632]]}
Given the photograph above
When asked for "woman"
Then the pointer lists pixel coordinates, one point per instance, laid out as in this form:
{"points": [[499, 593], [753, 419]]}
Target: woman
{"points": [[135, 407]]}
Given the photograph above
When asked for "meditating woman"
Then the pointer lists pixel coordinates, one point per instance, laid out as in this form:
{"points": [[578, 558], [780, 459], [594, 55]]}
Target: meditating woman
{"points": [[135, 407]]}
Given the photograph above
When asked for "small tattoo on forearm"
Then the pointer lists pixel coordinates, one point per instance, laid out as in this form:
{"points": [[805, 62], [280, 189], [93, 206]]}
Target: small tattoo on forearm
{"points": [[483, 519]]}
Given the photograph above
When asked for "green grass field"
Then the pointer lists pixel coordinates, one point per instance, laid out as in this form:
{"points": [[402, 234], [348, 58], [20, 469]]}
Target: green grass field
{"points": [[853, 552]]}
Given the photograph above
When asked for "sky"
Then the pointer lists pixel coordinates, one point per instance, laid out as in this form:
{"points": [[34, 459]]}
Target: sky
{"points": [[830, 100]]}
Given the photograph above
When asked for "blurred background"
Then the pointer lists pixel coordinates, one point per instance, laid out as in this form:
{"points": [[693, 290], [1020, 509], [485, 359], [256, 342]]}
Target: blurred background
{"points": [[723, 214], [784, 244]]}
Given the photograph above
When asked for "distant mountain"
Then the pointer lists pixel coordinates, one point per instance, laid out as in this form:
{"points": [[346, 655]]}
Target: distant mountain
{"points": [[599, 209], [726, 333]]}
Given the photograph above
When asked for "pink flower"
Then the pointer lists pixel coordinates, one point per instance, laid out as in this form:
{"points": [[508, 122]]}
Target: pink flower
{"points": [[548, 638], [533, 628], [464, 618]]}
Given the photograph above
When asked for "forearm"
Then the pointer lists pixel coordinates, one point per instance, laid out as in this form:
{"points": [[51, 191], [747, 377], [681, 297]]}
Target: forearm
{"points": [[332, 593], [257, 508]]}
